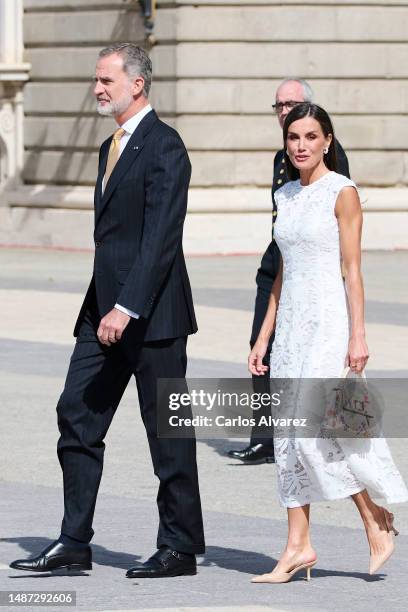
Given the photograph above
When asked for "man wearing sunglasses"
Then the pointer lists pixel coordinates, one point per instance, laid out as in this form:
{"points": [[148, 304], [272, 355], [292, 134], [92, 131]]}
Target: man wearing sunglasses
{"points": [[289, 93]]}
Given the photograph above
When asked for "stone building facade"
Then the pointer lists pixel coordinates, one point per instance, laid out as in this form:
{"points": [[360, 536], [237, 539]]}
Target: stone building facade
{"points": [[216, 66]]}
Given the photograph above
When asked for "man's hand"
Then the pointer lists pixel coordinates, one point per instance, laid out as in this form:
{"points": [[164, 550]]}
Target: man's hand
{"points": [[112, 326]]}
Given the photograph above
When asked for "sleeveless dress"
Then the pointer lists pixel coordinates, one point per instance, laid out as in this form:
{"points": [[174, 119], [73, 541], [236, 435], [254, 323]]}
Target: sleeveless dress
{"points": [[311, 341]]}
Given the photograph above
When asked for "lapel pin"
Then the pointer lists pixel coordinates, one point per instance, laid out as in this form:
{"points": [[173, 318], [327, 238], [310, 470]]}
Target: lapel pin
{"points": [[135, 148]]}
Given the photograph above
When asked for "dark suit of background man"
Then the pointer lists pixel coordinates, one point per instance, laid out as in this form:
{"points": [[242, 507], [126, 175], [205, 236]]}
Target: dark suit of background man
{"points": [[289, 93], [135, 319]]}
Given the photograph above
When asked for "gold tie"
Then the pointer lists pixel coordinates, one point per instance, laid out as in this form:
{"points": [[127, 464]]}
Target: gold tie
{"points": [[114, 151]]}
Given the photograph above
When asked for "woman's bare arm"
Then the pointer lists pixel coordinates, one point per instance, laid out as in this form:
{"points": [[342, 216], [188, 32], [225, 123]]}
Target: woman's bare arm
{"points": [[350, 220], [260, 347]]}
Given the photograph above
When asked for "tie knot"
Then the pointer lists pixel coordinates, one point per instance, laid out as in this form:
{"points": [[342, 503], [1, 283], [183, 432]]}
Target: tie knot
{"points": [[118, 134]]}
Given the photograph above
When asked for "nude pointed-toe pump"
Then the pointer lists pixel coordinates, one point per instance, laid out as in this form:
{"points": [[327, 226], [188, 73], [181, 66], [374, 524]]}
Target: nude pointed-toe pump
{"points": [[281, 577], [376, 561]]}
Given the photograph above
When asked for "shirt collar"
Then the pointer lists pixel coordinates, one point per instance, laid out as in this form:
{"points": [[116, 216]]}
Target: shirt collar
{"points": [[131, 124]]}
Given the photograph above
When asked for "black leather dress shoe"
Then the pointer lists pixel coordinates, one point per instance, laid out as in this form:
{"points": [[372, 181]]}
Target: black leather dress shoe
{"points": [[57, 556], [165, 563], [253, 455]]}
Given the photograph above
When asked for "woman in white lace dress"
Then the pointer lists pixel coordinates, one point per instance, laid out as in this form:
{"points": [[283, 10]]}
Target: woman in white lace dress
{"points": [[319, 329]]}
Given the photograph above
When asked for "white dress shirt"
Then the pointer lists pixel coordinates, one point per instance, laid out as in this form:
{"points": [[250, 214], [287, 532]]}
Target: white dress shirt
{"points": [[129, 126]]}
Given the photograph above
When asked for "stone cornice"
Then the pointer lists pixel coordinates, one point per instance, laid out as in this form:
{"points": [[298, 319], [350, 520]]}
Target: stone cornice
{"points": [[18, 72], [214, 201]]}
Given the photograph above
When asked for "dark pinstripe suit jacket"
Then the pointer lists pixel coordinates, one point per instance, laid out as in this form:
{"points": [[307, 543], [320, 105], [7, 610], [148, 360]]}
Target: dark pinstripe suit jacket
{"points": [[139, 261]]}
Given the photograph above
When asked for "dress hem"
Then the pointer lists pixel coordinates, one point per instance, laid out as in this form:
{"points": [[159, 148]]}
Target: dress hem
{"points": [[389, 500]]}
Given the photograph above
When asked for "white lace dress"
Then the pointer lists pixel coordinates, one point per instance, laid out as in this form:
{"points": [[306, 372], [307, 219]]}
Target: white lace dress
{"points": [[311, 341]]}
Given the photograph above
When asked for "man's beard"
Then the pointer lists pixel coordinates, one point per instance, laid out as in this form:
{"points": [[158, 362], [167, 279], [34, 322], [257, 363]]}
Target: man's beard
{"points": [[113, 109]]}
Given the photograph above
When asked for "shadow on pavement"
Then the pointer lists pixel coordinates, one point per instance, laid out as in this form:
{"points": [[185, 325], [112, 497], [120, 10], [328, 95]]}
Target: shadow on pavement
{"points": [[245, 561], [100, 555], [251, 562]]}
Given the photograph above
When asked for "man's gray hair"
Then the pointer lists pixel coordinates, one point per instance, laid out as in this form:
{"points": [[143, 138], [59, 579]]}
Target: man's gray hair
{"points": [[307, 90], [136, 62]]}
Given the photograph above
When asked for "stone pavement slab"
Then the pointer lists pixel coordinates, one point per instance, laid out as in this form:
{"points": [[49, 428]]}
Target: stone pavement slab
{"points": [[237, 548], [245, 527]]}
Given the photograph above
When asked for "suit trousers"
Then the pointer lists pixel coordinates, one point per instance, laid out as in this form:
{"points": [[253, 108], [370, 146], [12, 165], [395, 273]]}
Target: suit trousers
{"points": [[97, 378], [262, 434]]}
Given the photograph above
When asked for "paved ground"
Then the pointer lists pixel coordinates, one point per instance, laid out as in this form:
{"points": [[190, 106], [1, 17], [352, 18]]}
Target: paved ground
{"points": [[245, 526]]}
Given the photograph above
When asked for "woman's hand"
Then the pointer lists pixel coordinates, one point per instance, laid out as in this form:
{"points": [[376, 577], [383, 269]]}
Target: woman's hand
{"points": [[358, 355], [255, 365]]}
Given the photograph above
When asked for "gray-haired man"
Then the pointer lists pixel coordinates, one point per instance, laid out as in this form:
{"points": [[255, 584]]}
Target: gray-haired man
{"points": [[134, 321]]}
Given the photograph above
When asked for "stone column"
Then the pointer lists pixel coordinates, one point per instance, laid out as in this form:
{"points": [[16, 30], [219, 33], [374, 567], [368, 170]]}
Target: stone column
{"points": [[13, 74]]}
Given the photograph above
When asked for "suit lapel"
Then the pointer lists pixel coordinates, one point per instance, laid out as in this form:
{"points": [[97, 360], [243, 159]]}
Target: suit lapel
{"points": [[101, 172], [127, 157]]}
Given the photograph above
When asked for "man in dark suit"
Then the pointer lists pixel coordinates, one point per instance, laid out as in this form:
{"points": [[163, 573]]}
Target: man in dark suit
{"points": [[135, 319], [260, 450]]}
